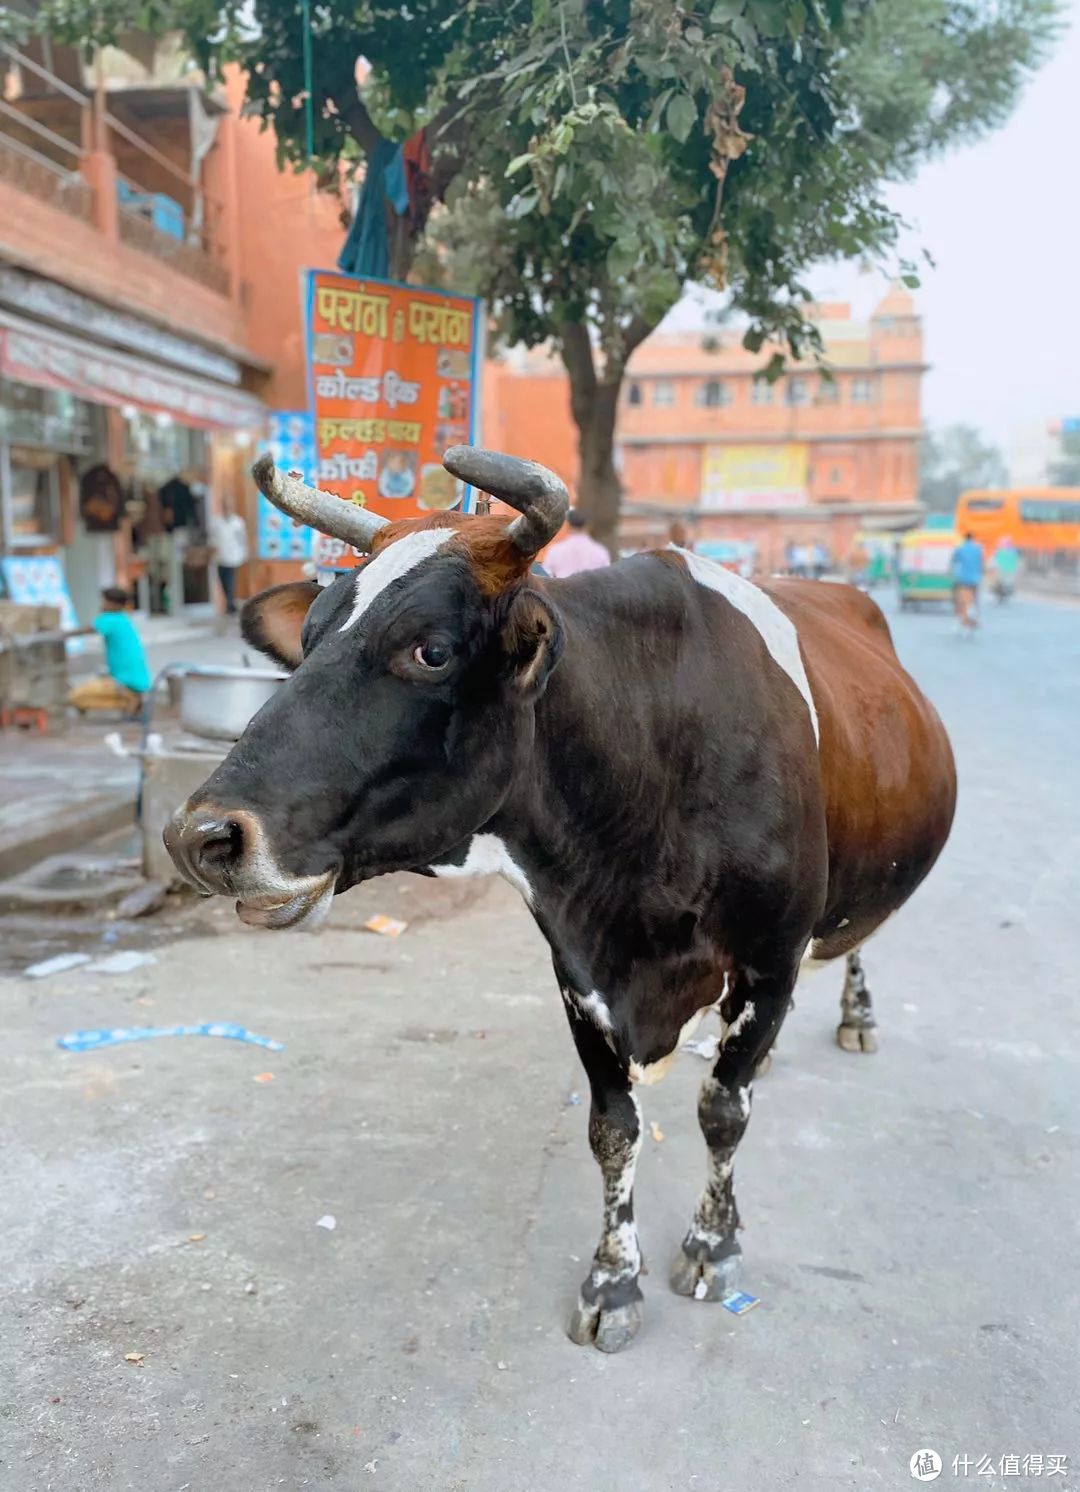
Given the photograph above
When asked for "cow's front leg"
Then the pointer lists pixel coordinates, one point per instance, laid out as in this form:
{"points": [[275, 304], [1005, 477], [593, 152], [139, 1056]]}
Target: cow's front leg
{"points": [[608, 1311], [707, 1263], [857, 1031]]}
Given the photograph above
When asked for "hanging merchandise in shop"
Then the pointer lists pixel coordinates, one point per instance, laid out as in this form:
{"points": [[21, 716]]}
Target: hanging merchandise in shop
{"points": [[101, 500]]}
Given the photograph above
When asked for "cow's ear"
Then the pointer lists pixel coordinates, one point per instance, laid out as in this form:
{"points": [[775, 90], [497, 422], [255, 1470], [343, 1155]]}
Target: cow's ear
{"points": [[273, 620], [532, 641]]}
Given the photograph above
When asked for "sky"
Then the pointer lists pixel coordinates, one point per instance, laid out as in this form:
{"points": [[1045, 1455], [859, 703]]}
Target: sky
{"points": [[1001, 217]]}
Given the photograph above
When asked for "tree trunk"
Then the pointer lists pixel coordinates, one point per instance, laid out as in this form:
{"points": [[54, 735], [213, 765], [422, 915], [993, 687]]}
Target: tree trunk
{"points": [[594, 404], [599, 488]]}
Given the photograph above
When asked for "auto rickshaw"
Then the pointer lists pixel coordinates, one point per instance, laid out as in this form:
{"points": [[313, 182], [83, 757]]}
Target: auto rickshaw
{"points": [[925, 568]]}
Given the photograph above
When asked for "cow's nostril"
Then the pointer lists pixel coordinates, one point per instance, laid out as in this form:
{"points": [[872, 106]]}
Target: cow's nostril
{"points": [[217, 844]]}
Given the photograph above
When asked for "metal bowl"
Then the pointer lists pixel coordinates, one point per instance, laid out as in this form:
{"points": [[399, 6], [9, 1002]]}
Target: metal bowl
{"points": [[218, 703]]}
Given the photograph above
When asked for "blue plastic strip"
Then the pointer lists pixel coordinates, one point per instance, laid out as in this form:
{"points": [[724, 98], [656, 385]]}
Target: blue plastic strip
{"points": [[86, 1041]]}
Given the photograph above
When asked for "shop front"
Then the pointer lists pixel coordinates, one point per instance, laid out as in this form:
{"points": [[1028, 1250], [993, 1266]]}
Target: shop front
{"points": [[111, 464]]}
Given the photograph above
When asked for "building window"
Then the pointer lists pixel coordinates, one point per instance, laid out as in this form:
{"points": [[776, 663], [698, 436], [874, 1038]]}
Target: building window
{"points": [[828, 391], [633, 394], [760, 391], [34, 495], [663, 394], [862, 390], [713, 395], [797, 390], [45, 417]]}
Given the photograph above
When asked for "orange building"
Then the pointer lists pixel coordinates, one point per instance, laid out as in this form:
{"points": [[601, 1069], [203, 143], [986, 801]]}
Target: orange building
{"points": [[703, 441], [150, 255]]}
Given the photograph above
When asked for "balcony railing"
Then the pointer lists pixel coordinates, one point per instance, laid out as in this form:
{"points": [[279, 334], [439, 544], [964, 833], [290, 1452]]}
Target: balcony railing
{"points": [[46, 162], [47, 133]]}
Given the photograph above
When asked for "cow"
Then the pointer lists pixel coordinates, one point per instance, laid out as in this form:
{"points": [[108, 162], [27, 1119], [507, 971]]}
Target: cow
{"points": [[698, 784]]}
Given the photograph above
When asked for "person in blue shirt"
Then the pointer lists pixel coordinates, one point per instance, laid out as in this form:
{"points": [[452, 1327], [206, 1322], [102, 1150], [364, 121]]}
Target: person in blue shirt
{"points": [[128, 677], [967, 574]]}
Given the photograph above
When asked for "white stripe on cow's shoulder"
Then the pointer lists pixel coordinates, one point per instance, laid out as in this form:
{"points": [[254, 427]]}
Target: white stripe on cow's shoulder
{"points": [[776, 630], [391, 564], [487, 855]]}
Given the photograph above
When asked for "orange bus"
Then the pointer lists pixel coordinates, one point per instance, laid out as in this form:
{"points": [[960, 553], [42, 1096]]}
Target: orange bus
{"points": [[1039, 520]]}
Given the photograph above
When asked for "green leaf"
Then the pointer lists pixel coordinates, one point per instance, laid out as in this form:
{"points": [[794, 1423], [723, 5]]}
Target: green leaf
{"points": [[911, 281], [563, 137], [518, 162], [681, 117], [796, 19], [622, 259], [726, 10], [522, 205], [661, 103], [773, 368]]}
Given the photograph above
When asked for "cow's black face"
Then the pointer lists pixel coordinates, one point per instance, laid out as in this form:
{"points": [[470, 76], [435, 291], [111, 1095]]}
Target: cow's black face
{"points": [[396, 737]]}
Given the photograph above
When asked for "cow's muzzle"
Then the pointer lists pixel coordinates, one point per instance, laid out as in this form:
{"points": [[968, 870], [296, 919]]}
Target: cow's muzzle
{"points": [[226, 853]]}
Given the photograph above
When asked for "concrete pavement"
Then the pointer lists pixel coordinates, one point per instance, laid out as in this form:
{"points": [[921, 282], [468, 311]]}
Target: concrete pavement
{"points": [[910, 1217]]}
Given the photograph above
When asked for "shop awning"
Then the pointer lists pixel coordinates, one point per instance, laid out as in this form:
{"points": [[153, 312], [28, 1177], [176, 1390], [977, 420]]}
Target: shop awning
{"points": [[54, 360]]}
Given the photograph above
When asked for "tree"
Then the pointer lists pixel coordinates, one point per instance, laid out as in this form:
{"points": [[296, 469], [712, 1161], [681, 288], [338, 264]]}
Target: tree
{"points": [[953, 459], [594, 155], [1065, 470]]}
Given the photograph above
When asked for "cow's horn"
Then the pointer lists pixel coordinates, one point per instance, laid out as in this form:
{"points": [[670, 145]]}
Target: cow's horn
{"points": [[320, 510], [539, 496]]}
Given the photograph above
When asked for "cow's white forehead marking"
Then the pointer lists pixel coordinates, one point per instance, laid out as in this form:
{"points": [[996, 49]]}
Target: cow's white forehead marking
{"points": [[391, 564], [776, 630]]}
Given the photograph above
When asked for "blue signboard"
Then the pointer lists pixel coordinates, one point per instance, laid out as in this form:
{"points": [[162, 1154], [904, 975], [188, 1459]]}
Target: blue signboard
{"points": [[292, 445]]}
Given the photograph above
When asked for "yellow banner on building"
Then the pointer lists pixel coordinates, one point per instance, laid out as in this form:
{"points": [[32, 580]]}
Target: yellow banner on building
{"points": [[755, 476]]}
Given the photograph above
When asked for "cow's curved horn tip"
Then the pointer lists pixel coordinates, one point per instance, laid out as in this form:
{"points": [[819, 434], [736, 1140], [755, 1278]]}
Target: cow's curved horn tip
{"points": [[454, 454], [262, 471]]}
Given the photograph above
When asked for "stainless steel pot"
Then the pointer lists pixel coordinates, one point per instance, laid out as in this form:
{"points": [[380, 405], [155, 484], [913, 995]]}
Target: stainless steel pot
{"points": [[219, 702]]}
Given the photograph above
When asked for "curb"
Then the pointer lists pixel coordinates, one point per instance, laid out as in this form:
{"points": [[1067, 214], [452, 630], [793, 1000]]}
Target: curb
{"points": [[68, 831]]}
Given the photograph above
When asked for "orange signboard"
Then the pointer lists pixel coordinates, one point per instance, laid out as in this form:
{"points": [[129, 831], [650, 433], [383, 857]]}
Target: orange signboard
{"points": [[393, 382]]}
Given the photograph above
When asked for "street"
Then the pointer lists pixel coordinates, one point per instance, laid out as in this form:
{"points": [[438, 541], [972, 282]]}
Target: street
{"points": [[176, 1319]]}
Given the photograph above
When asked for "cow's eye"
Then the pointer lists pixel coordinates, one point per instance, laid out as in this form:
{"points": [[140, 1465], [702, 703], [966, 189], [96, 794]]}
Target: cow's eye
{"points": [[431, 655]]}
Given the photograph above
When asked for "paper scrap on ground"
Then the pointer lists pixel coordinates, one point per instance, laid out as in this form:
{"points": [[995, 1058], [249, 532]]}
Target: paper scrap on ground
{"points": [[704, 1046], [738, 1302], [388, 927], [122, 963], [56, 965], [85, 1041], [656, 1132], [327, 1221]]}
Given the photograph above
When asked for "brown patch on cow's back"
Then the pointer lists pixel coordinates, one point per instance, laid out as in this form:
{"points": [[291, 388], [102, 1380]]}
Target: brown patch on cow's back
{"points": [[886, 764], [496, 561]]}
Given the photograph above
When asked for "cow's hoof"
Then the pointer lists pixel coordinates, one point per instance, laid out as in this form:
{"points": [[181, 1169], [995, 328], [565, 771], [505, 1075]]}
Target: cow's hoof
{"points": [[763, 1066], [610, 1330], [703, 1279], [857, 1038]]}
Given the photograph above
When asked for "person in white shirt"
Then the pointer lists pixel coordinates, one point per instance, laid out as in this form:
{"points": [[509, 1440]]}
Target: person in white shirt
{"points": [[229, 542]]}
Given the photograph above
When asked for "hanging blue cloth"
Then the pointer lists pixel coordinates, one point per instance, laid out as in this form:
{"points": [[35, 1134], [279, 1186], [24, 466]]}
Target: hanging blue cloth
{"points": [[367, 248]]}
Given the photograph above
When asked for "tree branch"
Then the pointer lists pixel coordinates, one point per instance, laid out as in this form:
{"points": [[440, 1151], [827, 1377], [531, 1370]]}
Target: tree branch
{"points": [[353, 111], [640, 328]]}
